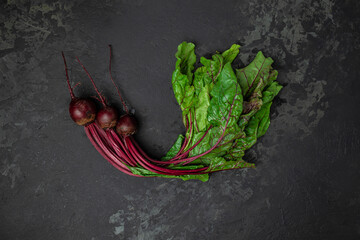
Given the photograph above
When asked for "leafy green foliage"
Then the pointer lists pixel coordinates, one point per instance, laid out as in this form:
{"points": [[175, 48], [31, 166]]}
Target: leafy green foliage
{"points": [[224, 111]]}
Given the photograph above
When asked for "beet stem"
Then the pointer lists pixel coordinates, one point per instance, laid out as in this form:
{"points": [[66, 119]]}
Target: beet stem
{"points": [[89, 132], [92, 81], [197, 143], [67, 78], [117, 89], [158, 169], [105, 148]]}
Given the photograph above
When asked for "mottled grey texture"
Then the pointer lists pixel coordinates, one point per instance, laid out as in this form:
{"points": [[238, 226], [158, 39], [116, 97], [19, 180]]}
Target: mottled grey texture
{"points": [[54, 185]]}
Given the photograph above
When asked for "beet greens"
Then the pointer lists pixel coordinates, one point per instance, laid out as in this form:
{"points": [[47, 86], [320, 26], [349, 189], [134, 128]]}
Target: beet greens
{"points": [[224, 112]]}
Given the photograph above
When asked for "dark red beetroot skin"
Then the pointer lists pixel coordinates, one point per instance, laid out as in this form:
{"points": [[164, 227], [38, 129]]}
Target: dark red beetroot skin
{"points": [[126, 125], [82, 111], [106, 117]]}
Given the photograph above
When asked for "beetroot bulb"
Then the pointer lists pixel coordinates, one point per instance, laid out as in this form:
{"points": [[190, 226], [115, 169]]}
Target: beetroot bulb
{"points": [[127, 124], [82, 110], [107, 116]]}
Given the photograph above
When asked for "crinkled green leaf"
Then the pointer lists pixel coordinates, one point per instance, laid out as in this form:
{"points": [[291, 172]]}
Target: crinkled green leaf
{"points": [[263, 118], [210, 71], [219, 164], [256, 74], [234, 109], [186, 59], [230, 54], [226, 102], [271, 91], [201, 108], [182, 76]]}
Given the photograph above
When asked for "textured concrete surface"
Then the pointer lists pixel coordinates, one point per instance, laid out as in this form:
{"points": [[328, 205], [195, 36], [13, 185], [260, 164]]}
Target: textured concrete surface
{"points": [[54, 185]]}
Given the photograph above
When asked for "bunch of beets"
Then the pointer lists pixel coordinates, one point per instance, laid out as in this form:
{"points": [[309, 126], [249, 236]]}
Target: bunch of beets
{"points": [[112, 135]]}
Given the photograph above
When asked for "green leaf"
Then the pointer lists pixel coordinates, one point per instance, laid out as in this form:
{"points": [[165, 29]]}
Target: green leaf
{"points": [[213, 66], [255, 75], [182, 76], [230, 54], [201, 79], [260, 122], [226, 102], [233, 109], [271, 91], [174, 149], [263, 117], [219, 164], [186, 59], [203, 103]]}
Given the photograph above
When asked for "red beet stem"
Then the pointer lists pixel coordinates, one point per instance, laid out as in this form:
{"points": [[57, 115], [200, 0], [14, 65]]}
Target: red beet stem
{"points": [[89, 133], [185, 143], [100, 136], [117, 89], [104, 146], [122, 145], [92, 81], [118, 148], [188, 151], [139, 149], [187, 160], [118, 151], [67, 78], [159, 169]]}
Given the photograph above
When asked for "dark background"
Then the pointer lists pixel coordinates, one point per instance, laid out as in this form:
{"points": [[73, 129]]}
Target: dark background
{"points": [[54, 185]]}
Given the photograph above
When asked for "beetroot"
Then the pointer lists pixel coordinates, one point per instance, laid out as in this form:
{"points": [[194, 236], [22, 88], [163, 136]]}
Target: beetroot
{"points": [[82, 111], [107, 117], [126, 125]]}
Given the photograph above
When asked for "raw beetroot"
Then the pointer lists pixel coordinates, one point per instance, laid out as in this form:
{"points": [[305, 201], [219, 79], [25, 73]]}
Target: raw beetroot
{"points": [[126, 125], [82, 111]]}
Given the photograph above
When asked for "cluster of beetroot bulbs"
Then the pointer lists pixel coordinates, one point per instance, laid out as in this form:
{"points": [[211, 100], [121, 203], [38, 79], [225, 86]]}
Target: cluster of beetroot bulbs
{"points": [[83, 112], [107, 118]]}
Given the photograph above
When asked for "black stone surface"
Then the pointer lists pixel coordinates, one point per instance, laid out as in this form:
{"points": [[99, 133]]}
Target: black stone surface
{"points": [[54, 185]]}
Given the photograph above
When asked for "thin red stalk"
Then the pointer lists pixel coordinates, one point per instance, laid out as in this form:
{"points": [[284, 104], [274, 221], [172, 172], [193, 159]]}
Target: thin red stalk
{"points": [[119, 152], [117, 89], [188, 151], [111, 144], [141, 161], [106, 148], [67, 78], [190, 131], [120, 148], [190, 159], [122, 144], [99, 149], [186, 141], [139, 149], [92, 81], [176, 172]]}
